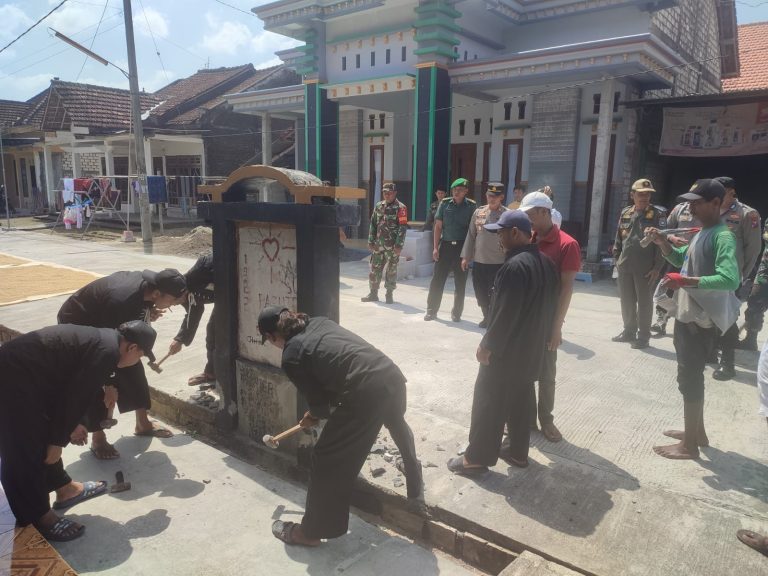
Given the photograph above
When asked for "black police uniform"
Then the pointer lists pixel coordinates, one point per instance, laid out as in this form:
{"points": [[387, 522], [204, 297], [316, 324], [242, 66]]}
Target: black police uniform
{"points": [[49, 378], [334, 368]]}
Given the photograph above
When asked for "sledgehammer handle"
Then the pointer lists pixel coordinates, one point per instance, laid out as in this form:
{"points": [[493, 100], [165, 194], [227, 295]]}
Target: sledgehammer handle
{"points": [[287, 433]]}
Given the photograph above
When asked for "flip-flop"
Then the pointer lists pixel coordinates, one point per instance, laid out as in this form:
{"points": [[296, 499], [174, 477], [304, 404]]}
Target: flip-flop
{"points": [[108, 452], [91, 489], [283, 531], [754, 540], [456, 465], [155, 433], [56, 533]]}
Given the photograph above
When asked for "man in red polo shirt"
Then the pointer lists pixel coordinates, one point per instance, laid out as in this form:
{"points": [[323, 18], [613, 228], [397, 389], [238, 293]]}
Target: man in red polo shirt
{"points": [[565, 252]]}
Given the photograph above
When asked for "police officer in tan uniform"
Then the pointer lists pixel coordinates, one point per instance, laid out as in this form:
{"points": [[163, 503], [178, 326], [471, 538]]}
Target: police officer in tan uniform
{"points": [[744, 222], [638, 266]]}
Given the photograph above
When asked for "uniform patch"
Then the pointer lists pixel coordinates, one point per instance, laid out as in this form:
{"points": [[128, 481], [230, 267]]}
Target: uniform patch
{"points": [[402, 216], [754, 219]]}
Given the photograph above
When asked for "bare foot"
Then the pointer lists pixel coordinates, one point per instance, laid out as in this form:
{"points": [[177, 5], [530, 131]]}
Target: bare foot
{"points": [[551, 432], [703, 441], [102, 449], [69, 491], [677, 452]]}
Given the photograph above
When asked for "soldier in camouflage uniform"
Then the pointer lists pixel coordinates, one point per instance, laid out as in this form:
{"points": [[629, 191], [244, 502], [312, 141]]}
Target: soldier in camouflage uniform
{"points": [[638, 266], [386, 237], [757, 302]]}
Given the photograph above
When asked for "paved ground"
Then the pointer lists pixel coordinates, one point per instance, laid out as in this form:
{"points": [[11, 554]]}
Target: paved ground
{"points": [[601, 499]]}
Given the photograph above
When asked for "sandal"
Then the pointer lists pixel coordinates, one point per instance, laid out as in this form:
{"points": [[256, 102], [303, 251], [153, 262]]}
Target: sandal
{"points": [[506, 454], [107, 452], [58, 532], [456, 465], [283, 531], [91, 489], [201, 378], [754, 540], [155, 432]]}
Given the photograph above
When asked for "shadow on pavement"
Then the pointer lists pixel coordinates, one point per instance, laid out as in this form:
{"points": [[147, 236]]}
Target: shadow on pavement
{"points": [[574, 349], [734, 472], [570, 494], [109, 544]]}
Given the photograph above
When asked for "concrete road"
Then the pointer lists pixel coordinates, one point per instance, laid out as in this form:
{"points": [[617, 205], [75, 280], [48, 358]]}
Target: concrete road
{"points": [[600, 500]]}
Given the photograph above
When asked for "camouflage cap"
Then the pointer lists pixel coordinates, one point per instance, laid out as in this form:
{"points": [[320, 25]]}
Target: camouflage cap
{"points": [[389, 187], [643, 185]]}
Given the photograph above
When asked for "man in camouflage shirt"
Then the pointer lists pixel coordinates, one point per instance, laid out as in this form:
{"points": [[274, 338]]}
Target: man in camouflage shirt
{"points": [[386, 236], [757, 301]]}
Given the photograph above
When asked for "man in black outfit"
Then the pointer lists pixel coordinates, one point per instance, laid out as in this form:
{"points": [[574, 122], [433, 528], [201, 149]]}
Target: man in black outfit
{"points": [[523, 305], [50, 376], [200, 291], [107, 303], [359, 390]]}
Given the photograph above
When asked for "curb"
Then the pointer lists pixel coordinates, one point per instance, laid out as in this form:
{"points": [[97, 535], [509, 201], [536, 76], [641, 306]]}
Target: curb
{"points": [[477, 545]]}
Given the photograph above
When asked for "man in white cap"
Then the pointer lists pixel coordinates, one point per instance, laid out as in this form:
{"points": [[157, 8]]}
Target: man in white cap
{"points": [[566, 254]]}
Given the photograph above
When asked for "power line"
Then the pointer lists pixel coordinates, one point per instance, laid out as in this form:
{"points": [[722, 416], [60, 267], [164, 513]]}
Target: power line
{"points": [[235, 8], [33, 25], [157, 51], [93, 39]]}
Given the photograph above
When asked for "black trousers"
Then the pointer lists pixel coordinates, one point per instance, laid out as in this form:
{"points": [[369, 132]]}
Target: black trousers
{"points": [[132, 394], [498, 398], [24, 475], [693, 345], [342, 449], [449, 260], [727, 343], [546, 403], [483, 276], [210, 344]]}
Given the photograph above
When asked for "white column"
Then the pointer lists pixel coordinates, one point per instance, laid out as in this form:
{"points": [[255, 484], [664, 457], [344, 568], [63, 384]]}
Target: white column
{"points": [[266, 139], [148, 156], [601, 177], [50, 182], [165, 166], [20, 175], [109, 162], [76, 166], [300, 161], [203, 168], [38, 170]]}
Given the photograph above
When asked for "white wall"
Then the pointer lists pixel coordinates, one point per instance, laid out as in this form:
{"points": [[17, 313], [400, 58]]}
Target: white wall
{"points": [[363, 47]]}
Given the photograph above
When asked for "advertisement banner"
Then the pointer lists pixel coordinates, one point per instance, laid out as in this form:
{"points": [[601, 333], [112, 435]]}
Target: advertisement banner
{"points": [[739, 130]]}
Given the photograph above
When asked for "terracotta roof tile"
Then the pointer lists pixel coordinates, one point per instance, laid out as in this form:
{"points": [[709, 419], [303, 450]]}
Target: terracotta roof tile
{"points": [[753, 52], [12, 111], [100, 108]]}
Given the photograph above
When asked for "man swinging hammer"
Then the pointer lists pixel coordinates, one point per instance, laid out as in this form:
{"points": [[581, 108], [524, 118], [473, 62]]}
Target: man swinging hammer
{"points": [[359, 390]]}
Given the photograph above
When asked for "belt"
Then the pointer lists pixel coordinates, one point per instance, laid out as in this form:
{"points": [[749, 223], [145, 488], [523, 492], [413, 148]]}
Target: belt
{"points": [[454, 243]]}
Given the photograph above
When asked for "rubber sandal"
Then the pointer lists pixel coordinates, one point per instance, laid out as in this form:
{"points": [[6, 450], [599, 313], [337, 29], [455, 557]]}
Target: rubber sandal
{"points": [[202, 378], [105, 452], [283, 531], [91, 489], [456, 465], [56, 533], [155, 433], [754, 540]]}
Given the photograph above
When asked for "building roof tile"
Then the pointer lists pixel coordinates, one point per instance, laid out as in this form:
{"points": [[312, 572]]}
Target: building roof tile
{"points": [[753, 50], [12, 111]]}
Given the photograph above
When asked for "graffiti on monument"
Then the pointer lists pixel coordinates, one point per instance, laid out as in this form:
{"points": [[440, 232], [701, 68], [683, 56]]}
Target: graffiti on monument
{"points": [[266, 255]]}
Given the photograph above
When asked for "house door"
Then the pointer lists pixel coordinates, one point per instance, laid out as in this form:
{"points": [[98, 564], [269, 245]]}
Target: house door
{"points": [[511, 166], [590, 184], [463, 157], [376, 174]]}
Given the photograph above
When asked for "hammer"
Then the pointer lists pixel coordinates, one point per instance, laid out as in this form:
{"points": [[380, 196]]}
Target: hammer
{"points": [[274, 441], [120, 484], [156, 365]]}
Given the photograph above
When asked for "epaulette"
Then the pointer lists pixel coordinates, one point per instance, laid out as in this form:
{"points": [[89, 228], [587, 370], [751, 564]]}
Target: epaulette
{"points": [[470, 201], [659, 208], [628, 208], [447, 199]]}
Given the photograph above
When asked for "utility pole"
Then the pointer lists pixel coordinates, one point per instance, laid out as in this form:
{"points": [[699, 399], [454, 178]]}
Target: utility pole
{"points": [[138, 128]]}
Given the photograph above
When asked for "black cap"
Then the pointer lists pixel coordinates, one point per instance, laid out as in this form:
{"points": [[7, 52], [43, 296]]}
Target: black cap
{"points": [[727, 182], [141, 334], [511, 219], [268, 319], [704, 189], [496, 188], [168, 281]]}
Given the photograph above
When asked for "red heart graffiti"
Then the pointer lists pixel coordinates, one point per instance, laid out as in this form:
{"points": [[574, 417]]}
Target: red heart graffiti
{"points": [[271, 248]]}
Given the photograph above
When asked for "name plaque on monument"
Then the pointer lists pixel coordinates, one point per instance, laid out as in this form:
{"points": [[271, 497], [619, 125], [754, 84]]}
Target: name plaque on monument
{"points": [[266, 260]]}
